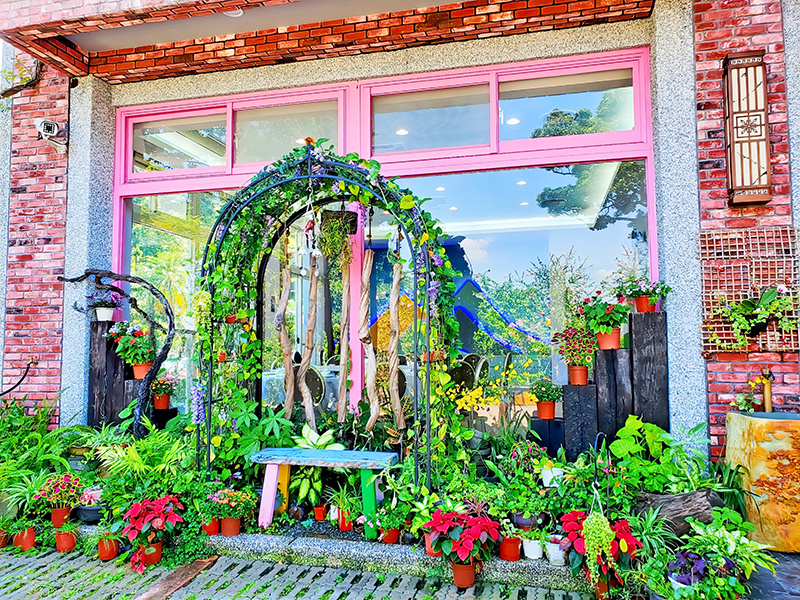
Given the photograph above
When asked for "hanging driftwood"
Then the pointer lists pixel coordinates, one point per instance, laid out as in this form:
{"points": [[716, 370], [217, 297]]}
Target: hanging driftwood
{"points": [[308, 350], [394, 343], [287, 346], [366, 339], [344, 344]]}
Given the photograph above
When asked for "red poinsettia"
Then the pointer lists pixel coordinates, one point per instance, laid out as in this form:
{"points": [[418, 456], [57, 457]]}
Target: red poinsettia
{"points": [[147, 522], [623, 547], [461, 536]]}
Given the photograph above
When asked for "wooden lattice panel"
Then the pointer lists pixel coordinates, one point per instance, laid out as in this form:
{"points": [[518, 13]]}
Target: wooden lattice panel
{"points": [[736, 265]]}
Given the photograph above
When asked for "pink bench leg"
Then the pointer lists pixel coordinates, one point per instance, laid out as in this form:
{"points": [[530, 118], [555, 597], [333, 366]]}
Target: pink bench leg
{"points": [[268, 496]]}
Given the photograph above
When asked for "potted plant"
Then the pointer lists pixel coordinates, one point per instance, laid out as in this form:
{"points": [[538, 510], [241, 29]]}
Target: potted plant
{"points": [[5, 528], [61, 493], [646, 294], [532, 543], [746, 402], [604, 319], [546, 394], [233, 505], [104, 303], [89, 509], [107, 546], [422, 511], [389, 519], [511, 543], [555, 554], [146, 523], [552, 473], [162, 388], [66, 537], [210, 511], [576, 347], [23, 532], [464, 541], [346, 502], [320, 511], [752, 316], [134, 345]]}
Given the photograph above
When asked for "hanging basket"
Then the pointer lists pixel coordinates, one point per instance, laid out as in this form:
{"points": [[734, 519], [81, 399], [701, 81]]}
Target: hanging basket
{"points": [[348, 218]]}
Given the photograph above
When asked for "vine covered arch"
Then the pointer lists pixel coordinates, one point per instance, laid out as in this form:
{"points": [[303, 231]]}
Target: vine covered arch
{"points": [[248, 231]]}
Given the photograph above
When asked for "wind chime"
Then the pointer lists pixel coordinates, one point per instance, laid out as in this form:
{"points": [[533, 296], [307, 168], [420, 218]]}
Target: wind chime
{"points": [[311, 322]]}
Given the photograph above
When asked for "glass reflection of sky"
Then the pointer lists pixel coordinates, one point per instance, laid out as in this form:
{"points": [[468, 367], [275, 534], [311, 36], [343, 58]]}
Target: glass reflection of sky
{"points": [[531, 112]]}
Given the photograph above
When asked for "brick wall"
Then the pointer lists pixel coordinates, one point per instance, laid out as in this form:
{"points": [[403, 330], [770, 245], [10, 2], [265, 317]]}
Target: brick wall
{"points": [[37, 228], [723, 27], [471, 19]]}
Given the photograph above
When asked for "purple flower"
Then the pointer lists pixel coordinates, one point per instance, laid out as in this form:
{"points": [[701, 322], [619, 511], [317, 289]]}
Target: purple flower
{"points": [[198, 404], [437, 259]]}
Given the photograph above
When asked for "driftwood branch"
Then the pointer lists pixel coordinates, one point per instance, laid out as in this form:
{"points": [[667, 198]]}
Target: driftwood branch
{"points": [[143, 395], [394, 346], [308, 350], [35, 79], [366, 339], [674, 508], [344, 345], [287, 346]]}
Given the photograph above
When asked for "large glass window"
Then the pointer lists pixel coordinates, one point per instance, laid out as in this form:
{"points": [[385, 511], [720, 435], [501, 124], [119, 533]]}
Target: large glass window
{"points": [[566, 105], [188, 143], [266, 134], [432, 119]]}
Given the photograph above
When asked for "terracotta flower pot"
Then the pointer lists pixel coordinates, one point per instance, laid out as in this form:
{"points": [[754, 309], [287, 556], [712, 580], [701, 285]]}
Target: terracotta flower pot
{"points": [[25, 540], [609, 341], [161, 401], [230, 527], [141, 369], [107, 549], [320, 512], [546, 410], [345, 524], [65, 541], [578, 375], [429, 548], [390, 536], [463, 575], [509, 549], [643, 304], [222, 356], [4, 539], [230, 319], [152, 554], [59, 516], [212, 527]]}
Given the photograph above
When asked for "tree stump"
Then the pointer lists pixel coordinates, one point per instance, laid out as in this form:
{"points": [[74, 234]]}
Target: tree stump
{"points": [[676, 507]]}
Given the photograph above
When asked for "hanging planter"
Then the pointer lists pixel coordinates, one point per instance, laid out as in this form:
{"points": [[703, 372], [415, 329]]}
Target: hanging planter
{"points": [[751, 317], [104, 303]]}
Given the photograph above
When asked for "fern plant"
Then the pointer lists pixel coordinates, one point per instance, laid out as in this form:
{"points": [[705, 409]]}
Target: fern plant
{"points": [[157, 454]]}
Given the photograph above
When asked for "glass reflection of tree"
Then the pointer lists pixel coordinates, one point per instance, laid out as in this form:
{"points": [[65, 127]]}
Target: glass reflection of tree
{"points": [[625, 199]]}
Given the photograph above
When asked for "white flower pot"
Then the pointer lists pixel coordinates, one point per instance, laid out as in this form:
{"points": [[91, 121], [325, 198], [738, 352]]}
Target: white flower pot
{"points": [[533, 548], [104, 314], [551, 477], [555, 554]]}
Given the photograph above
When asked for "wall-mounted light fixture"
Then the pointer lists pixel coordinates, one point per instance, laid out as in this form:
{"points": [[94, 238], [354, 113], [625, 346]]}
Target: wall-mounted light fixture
{"points": [[746, 128]]}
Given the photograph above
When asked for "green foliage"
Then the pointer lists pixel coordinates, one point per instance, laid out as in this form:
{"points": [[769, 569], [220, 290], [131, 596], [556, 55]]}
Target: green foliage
{"points": [[750, 316], [157, 455], [306, 482], [602, 316], [545, 390]]}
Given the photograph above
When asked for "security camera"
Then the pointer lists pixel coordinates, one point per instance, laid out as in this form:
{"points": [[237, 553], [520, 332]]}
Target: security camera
{"points": [[49, 130]]}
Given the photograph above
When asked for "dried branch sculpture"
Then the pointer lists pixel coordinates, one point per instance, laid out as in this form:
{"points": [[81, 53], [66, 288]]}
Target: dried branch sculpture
{"points": [[287, 347], [308, 350], [366, 339], [394, 346], [344, 345]]}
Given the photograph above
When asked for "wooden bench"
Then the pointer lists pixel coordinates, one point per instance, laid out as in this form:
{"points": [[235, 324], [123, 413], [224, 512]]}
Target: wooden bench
{"points": [[279, 461]]}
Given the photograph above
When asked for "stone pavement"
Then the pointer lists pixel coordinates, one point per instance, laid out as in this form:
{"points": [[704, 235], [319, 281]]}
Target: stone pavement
{"points": [[50, 576]]}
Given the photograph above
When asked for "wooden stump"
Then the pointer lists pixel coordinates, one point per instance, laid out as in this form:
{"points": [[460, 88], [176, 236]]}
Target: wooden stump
{"points": [[580, 418], [106, 377], [648, 335], [676, 507]]}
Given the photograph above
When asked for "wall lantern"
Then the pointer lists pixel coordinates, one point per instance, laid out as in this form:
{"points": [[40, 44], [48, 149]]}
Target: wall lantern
{"points": [[747, 144]]}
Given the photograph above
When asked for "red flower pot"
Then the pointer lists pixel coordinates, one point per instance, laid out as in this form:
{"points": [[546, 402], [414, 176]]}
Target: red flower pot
{"points": [[141, 369], [546, 410], [463, 575], [222, 356], [59, 516], [578, 375], [609, 341], [509, 549], [161, 401], [3, 539], [345, 524], [25, 540], [212, 527], [643, 304], [65, 541], [320, 512], [230, 319], [429, 548], [152, 554], [390, 536], [229, 527], [107, 549]]}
